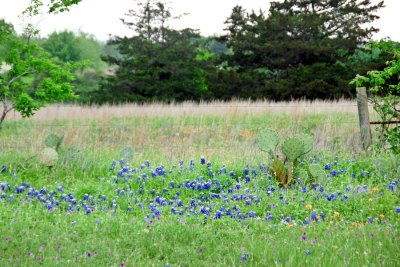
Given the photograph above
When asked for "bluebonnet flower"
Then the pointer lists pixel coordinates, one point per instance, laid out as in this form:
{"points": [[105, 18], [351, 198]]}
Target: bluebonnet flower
{"points": [[202, 161], [232, 174], [322, 215], [398, 209], [303, 237], [3, 169], [246, 171], [244, 257], [307, 220], [314, 215], [372, 235], [369, 219], [308, 252], [314, 186], [304, 189], [173, 211], [180, 203], [328, 167]]}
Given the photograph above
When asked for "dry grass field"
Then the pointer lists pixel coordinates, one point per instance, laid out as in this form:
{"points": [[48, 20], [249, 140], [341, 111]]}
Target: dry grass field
{"points": [[185, 130], [216, 108]]}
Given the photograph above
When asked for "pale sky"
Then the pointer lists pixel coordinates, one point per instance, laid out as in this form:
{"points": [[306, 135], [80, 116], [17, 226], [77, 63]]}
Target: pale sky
{"points": [[102, 17]]}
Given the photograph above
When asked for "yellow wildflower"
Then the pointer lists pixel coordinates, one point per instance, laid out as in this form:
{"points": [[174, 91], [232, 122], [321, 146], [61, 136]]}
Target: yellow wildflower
{"points": [[336, 213]]}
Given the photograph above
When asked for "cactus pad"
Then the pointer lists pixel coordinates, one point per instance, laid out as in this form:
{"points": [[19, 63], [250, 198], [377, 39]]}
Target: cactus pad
{"points": [[268, 140], [278, 169], [317, 172], [49, 157], [307, 141], [53, 141], [302, 174], [293, 148]]}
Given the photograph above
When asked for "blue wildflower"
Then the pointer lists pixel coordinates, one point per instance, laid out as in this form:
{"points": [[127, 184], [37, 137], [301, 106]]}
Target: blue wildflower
{"points": [[314, 215], [328, 167], [244, 257]]}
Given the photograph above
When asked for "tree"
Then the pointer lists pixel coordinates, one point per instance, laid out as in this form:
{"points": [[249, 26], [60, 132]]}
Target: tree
{"points": [[69, 47], [55, 6], [157, 63], [28, 77], [384, 93], [302, 46]]}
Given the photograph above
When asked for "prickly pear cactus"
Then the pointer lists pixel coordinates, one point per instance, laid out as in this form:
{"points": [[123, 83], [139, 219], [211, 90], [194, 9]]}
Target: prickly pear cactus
{"points": [[53, 141], [317, 172], [307, 141], [290, 173], [268, 140], [302, 174], [278, 169], [49, 157], [293, 148]]}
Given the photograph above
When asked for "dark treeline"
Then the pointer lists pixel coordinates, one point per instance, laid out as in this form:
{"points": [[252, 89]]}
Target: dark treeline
{"points": [[298, 49]]}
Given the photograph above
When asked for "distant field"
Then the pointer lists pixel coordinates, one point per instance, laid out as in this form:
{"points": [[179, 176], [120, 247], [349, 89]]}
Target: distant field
{"points": [[233, 108]]}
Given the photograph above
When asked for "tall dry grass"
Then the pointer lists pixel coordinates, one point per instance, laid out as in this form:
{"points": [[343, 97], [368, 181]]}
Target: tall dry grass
{"points": [[217, 108], [184, 130]]}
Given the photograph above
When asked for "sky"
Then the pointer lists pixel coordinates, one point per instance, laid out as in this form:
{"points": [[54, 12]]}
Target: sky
{"points": [[102, 17]]}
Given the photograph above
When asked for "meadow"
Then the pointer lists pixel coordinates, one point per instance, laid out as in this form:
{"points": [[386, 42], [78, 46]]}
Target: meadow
{"points": [[187, 185]]}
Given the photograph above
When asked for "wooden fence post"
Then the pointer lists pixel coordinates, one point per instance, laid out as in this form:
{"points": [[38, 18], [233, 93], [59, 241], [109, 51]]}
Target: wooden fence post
{"points": [[363, 115]]}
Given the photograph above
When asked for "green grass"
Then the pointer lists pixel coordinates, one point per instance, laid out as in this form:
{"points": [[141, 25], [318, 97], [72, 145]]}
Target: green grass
{"points": [[31, 235]]}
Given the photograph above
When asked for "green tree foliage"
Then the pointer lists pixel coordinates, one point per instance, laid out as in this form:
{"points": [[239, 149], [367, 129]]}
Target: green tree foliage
{"points": [[69, 47], [157, 63], [384, 89], [302, 48], [29, 79], [54, 6]]}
